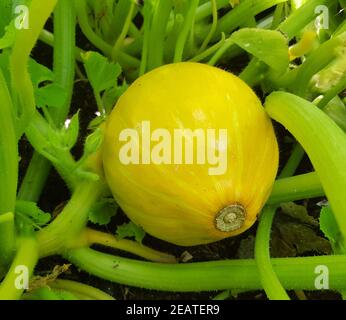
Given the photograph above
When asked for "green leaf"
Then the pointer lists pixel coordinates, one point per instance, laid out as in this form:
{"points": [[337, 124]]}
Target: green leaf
{"points": [[130, 230], [330, 229], [69, 133], [101, 73], [291, 238], [9, 37], [111, 96], [5, 16], [267, 45], [93, 142], [39, 73], [103, 211], [336, 110], [30, 212], [298, 212], [51, 95]]}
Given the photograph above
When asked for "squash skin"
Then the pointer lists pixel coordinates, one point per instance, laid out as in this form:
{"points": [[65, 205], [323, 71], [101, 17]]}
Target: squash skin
{"points": [[179, 203]]}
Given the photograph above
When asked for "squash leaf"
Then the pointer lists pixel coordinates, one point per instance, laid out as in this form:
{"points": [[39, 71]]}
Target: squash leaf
{"points": [[298, 212], [103, 211], [268, 46], [130, 230], [102, 74], [30, 213]]}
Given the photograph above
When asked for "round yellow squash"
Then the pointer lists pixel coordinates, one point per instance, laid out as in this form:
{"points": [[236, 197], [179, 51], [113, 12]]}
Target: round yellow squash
{"points": [[190, 154]]}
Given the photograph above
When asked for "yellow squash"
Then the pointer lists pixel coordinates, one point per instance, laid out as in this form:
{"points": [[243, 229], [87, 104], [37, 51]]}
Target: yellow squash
{"points": [[182, 202]]}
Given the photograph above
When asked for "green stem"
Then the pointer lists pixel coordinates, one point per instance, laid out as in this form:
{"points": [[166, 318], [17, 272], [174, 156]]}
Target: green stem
{"points": [[71, 221], [333, 92], [8, 171], [208, 52], [83, 20], [124, 31], [302, 16], [63, 66], [254, 73], [326, 148], [240, 15], [206, 9], [7, 239], [156, 41], [212, 29], [80, 289], [48, 38], [25, 41], [317, 60], [27, 256], [293, 161], [296, 188], [269, 279], [294, 273], [188, 24]]}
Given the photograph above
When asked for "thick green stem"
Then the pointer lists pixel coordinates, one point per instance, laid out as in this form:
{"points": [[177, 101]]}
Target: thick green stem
{"points": [[187, 26], [302, 16], [156, 37], [25, 260], [269, 279], [8, 170], [294, 273], [293, 161], [240, 15], [326, 148], [64, 66], [62, 232], [80, 290], [25, 41], [319, 59], [296, 188], [7, 240]]}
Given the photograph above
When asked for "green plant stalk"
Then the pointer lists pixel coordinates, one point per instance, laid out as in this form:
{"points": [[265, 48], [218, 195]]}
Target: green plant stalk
{"points": [[208, 52], [48, 38], [254, 72], [187, 25], [291, 27], [222, 296], [333, 92], [157, 33], [326, 148], [212, 29], [121, 13], [206, 9], [302, 16], [319, 59], [146, 38], [293, 161], [80, 290], [62, 232], [8, 172], [25, 41], [26, 256], [63, 66], [7, 240], [124, 31], [296, 188], [240, 15], [44, 293], [294, 273], [84, 24], [269, 279]]}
